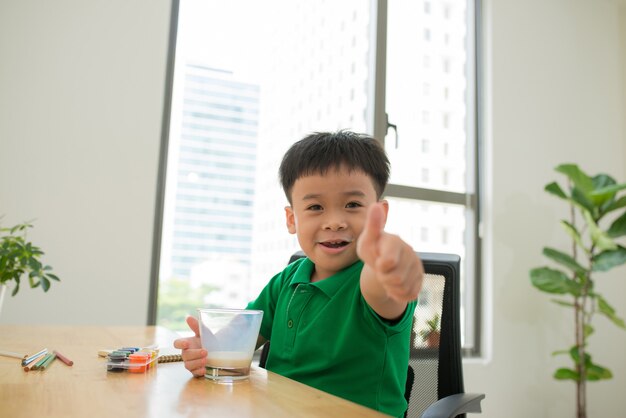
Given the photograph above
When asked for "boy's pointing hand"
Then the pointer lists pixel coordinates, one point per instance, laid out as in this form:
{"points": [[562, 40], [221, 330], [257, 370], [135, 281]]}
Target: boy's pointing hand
{"points": [[393, 262]]}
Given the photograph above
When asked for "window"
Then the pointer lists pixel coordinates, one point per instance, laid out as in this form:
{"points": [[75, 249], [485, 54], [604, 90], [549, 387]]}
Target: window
{"points": [[445, 63], [248, 82], [452, 198]]}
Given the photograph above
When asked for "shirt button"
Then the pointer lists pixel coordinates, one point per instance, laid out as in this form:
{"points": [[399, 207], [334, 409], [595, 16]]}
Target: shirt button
{"points": [[290, 323]]}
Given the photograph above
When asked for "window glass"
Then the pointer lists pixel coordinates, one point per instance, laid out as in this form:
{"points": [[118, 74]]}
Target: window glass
{"points": [[249, 81], [433, 146], [419, 114]]}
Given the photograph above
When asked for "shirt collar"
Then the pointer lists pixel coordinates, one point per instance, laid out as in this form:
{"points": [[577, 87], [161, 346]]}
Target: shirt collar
{"points": [[330, 285]]}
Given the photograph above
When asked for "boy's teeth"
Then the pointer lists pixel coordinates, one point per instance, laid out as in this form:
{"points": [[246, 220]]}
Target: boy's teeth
{"points": [[334, 244]]}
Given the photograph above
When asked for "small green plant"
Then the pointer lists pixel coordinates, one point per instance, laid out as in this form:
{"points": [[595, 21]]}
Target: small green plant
{"points": [[19, 257], [430, 335], [594, 249], [433, 326]]}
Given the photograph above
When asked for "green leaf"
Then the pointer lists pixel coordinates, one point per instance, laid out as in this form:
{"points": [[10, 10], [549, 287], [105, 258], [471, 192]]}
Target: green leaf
{"points": [[573, 352], [563, 303], [595, 372], [580, 199], [45, 284], [608, 311], [602, 180], [555, 189], [553, 281], [617, 204], [580, 179], [53, 277], [573, 232], [609, 189], [564, 259], [16, 288], [599, 182], [618, 227], [566, 374], [588, 330], [19, 257], [599, 238], [33, 264], [560, 352], [606, 260]]}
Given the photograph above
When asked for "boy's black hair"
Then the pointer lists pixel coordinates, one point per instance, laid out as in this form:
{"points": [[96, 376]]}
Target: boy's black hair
{"points": [[321, 151]]}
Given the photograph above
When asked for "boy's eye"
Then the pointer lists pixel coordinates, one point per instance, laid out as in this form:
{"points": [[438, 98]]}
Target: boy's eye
{"points": [[314, 207], [352, 205]]}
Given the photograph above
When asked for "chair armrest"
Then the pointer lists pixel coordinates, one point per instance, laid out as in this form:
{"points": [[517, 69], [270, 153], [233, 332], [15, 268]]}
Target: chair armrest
{"points": [[453, 405]]}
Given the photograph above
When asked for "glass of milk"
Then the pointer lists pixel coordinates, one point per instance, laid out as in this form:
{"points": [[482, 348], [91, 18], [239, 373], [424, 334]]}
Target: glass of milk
{"points": [[229, 336]]}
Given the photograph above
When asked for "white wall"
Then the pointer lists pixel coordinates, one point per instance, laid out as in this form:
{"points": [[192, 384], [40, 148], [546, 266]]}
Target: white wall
{"points": [[556, 95], [81, 95], [81, 101]]}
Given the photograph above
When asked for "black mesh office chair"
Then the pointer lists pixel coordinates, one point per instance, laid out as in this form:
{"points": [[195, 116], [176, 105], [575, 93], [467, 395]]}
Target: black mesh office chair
{"points": [[434, 387]]}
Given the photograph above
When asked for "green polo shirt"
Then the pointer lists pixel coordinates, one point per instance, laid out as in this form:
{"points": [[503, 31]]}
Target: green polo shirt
{"points": [[325, 335]]}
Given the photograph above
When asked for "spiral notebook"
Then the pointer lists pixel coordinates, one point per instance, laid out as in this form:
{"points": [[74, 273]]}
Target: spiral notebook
{"points": [[169, 358]]}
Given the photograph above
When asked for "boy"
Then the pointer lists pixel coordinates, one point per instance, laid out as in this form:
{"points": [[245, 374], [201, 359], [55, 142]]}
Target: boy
{"points": [[339, 319]]}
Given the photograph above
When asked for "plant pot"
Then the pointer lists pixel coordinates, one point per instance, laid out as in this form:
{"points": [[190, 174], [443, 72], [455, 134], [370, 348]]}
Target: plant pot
{"points": [[432, 340], [3, 291]]}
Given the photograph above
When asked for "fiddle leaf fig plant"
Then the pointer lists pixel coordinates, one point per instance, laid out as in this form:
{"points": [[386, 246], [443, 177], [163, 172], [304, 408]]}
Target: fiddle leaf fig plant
{"points": [[19, 257], [596, 222]]}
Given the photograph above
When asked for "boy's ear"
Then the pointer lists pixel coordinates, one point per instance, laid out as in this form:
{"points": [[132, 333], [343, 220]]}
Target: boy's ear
{"points": [[291, 220], [386, 210]]}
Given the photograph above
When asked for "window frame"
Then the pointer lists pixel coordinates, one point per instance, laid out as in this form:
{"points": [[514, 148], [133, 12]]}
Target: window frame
{"points": [[378, 125]]}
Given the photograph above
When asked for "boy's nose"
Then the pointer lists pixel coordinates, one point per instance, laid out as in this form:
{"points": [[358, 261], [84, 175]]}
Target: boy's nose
{"points": [[335, 224]]}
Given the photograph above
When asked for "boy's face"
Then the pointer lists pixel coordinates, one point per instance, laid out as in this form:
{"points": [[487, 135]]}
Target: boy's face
{"points": [[328, 214]]}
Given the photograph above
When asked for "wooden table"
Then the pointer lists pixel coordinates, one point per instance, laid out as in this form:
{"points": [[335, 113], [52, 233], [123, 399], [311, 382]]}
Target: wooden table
{"points": [[86, 389]]}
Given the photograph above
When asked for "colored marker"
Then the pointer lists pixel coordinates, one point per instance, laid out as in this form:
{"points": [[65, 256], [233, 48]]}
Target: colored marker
{"points": [[31, 365], [48, 362], [63, 358], [11, 354], [29, 359], [42, 361]]}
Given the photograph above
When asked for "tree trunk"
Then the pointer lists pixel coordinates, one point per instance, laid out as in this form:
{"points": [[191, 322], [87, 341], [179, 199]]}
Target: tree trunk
{"points": [[581, 387]]}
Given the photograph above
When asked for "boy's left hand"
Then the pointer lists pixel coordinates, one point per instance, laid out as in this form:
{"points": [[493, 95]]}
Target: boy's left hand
{"points": [[394, 263]]}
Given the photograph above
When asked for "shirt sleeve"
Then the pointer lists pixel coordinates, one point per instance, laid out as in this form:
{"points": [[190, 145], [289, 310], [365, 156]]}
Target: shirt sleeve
{"points": [[391, 327]]}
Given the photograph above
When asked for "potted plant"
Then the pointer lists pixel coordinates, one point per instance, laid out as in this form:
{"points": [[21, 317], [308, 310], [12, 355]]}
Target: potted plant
{"points": [[594, 249], [19, 257], [431, 334]]}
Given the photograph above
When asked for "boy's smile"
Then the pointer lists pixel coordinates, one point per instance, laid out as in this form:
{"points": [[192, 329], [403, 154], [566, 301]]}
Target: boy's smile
{"points": [[328, 214]]}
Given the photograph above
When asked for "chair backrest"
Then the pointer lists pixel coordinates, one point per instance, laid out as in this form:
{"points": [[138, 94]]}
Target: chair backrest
{"points": [[435, 366], [435, 363]]}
